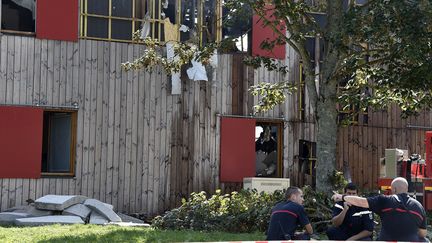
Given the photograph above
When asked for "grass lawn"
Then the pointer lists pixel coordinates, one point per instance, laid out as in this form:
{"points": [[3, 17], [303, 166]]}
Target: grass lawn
{"points": [[94, 233]]}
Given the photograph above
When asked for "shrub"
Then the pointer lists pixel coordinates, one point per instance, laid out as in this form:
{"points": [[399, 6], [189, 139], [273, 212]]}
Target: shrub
{"points": [[243, 211]]}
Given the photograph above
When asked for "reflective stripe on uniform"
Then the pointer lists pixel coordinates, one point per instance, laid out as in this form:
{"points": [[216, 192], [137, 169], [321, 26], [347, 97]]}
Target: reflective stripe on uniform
{"points": [[361, 213], [285, 211], [339, 206]]}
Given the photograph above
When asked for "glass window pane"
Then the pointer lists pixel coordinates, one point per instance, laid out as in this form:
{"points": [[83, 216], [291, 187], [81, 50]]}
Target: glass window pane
{"points": [[157, 10], [99, 7], [57, 137], [18, 15], [97, 27], [121, 29], [140, 8], [60, 139], [122, 8]]}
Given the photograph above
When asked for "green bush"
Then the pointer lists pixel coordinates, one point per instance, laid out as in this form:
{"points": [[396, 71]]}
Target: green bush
{"points": [[243, 211]]}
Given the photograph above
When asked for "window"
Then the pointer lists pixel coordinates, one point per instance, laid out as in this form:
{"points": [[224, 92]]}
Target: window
{"points": [[58, 143], [268, 149], [307, 160], [351, 114], [250, 148], [18, 16], [36, 142], [114, 19], [160, 19]]}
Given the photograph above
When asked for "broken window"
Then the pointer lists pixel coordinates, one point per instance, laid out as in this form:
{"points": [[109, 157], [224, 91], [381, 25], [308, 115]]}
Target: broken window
{"points": [[237, 25], [18, 15], [58, 141], [200, 18], [268, 137], [158, 19]]}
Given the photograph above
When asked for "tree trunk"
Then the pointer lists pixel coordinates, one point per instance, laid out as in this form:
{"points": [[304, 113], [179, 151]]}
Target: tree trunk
{"points": [[326, 138], [326, 104]]}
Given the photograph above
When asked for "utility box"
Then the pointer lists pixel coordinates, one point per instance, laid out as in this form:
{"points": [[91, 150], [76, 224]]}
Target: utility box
{"points": [[392, 157], [265, 184]]}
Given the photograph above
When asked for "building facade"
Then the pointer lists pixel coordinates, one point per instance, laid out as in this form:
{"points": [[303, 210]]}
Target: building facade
{"points": [[73, 122]]}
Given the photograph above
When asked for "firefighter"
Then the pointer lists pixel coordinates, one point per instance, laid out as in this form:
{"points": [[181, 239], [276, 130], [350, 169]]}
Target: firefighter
{"points": [[287, 215], [403, 218], [350, 222]]}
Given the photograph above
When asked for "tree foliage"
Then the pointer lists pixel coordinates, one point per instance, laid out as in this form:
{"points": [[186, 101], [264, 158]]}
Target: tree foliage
{"points": [[379, 53], [383, 49], [243, 211]]}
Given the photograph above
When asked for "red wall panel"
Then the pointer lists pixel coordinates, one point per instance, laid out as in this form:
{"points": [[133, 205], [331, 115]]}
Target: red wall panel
{"points": [[20, 142], [57, 20], [237, 149], [261, 33]]}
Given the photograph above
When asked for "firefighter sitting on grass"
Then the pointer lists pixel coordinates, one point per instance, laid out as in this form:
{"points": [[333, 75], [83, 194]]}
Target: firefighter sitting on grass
{"points": [[350, 222], [287, 215]]}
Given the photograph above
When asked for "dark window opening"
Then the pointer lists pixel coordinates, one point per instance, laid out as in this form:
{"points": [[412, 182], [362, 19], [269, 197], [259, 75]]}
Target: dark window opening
{"points": [[307, 161], [58, 142], [268, 139], [18, 15]]}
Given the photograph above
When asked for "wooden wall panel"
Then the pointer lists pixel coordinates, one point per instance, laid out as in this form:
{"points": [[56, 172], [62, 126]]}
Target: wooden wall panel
{"points": [[142, 149], [363, 146]]}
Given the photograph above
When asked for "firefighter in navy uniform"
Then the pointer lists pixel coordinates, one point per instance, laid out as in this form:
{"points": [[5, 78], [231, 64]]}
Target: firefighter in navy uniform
{"points": [[287, 215], [403, 218], [350, 222]]}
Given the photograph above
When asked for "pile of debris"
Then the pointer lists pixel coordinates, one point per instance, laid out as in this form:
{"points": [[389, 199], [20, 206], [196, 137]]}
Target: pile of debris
{"points": [[66, 209]]}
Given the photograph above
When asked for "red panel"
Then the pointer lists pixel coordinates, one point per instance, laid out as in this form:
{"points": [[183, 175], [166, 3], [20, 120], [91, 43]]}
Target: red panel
{"points": [[20, 142], [428, 142], [237, 149], [57, 20], [261, 33]]}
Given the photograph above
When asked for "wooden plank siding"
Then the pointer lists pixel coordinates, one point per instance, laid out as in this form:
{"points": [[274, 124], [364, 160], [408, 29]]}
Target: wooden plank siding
{"points": [[138, 147], [142, 149]]}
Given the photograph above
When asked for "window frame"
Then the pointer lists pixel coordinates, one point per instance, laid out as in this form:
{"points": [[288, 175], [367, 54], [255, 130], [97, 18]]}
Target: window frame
{"points": [[280, 128], [159, 22], [17, 32], [72, 156], [153, 20]]}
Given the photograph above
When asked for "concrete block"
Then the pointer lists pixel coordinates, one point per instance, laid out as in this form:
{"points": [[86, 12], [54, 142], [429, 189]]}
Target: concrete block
{"points": [[47, 220], [79, 210], [129, 219], [34, 212], [17, 209], [8, 218], [96, 218], [109, 206], [29, 209], [103, 210], [58, 202]]}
